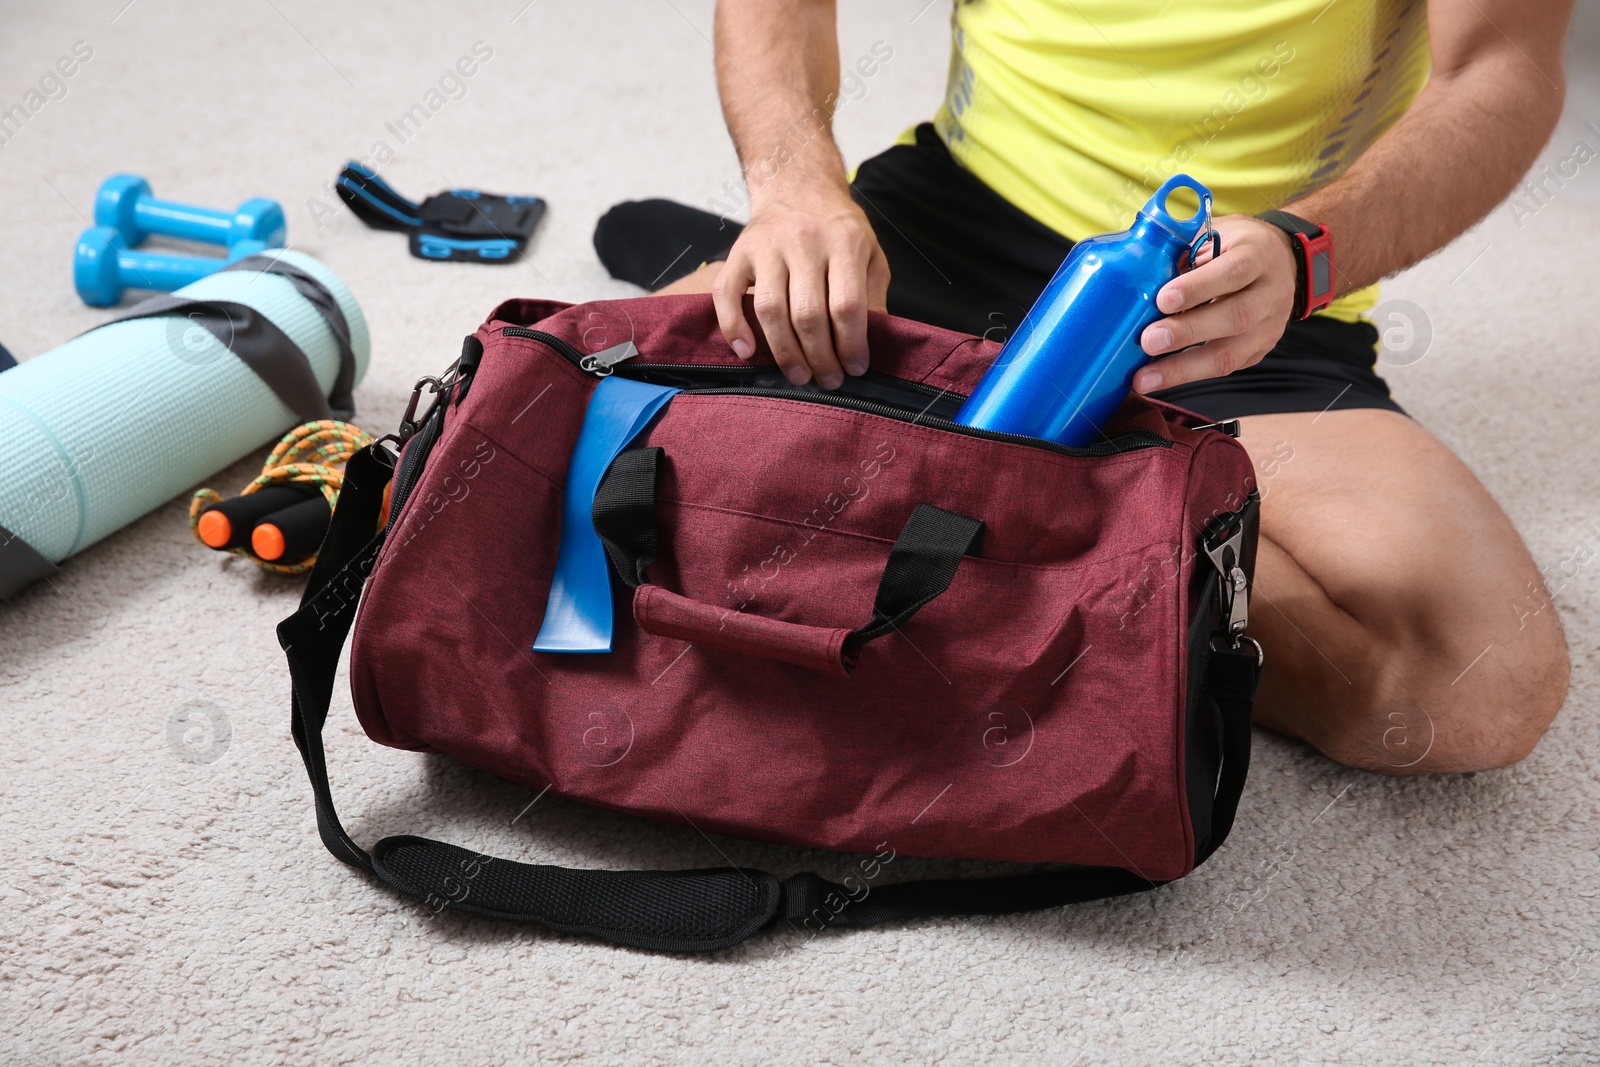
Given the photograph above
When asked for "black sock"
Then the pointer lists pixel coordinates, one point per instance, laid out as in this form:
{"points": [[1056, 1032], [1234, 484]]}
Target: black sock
{"points": [[652, 243]]}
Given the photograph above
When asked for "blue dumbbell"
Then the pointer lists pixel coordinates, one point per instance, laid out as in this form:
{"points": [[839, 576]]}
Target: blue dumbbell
{"points": [[125, 204], [103, 266]]}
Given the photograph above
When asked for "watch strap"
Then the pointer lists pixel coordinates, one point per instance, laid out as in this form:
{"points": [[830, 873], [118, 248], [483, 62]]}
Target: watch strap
{"points": [[1313, 249], [1283, 220]]}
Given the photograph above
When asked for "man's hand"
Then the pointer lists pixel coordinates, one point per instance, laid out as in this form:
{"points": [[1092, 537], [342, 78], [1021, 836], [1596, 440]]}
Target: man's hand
{"points": [[816, 268], [1235, 307], [808, 252]]}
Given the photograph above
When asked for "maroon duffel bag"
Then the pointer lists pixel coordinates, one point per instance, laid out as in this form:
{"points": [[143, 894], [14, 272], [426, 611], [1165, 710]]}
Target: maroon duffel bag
{"points": [[842, 621]]}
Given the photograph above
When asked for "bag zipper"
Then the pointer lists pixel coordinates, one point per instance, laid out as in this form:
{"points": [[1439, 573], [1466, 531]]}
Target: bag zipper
{"points": [[1126, 441], [609, 361]]}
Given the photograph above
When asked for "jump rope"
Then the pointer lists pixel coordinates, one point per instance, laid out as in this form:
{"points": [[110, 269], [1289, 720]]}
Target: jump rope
{"points": [[279, 519]]}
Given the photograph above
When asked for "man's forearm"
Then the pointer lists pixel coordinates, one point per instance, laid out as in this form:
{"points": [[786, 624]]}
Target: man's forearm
{"points": [[778, 73], [1458, 151]]}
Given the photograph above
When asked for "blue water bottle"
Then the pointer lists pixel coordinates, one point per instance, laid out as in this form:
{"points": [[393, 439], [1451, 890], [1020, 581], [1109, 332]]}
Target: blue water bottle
{"points": [[1070, 364]]}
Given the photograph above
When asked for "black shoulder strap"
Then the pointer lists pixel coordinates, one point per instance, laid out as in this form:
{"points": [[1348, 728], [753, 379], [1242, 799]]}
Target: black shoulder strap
{"points": [[682, 911]]}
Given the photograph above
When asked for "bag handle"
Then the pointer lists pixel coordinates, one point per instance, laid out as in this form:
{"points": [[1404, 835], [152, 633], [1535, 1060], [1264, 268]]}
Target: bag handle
{"points": [[921, 566], [678, 911]]}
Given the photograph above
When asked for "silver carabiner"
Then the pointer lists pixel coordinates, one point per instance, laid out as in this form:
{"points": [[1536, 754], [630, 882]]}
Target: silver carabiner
{"points": [[1209, 234], [409, 423]]}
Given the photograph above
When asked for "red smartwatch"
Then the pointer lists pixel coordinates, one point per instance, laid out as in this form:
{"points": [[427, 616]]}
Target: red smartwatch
{"points": [[1313, 257]]}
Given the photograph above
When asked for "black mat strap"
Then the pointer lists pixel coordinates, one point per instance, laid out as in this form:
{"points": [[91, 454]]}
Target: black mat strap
{"points": [[681, 911], [327, 305], [250, 335], [274, 357], [20, 565]]}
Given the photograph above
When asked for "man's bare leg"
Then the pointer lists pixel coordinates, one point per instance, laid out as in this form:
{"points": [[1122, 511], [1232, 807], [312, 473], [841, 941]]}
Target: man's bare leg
{"points": [[1393, 599], [699, 281]]}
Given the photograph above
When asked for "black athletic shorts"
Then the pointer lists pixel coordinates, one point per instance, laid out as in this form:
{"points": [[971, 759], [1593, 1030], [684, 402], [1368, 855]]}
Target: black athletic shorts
{"points": [[963, 257]]}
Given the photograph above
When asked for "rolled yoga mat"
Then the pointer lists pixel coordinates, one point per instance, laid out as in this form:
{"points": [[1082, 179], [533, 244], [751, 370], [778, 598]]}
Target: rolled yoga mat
{"points": [[105, 428]]}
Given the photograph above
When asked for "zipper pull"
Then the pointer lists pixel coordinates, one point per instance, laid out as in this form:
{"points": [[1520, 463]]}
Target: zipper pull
{"points": [[602, 361]]}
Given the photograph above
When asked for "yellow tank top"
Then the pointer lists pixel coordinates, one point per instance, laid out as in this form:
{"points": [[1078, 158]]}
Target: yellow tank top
{"points": [[1076, 110]]}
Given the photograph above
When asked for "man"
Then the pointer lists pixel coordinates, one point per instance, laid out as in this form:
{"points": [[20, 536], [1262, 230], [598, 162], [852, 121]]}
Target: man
{"points": [[1399, 609]]}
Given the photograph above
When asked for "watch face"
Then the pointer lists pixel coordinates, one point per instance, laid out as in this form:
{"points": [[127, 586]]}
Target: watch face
{"points": [[1320, 280]]}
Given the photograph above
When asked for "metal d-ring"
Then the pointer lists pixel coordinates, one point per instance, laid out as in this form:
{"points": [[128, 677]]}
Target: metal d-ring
{"points": [[1237, 642]]}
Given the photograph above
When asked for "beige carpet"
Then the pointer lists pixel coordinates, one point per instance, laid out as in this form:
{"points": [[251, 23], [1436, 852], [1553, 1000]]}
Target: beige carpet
{"points": [[159, 910]]}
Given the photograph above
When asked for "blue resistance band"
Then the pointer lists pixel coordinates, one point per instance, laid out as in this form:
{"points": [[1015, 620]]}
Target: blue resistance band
{"points": [[577, 617]]}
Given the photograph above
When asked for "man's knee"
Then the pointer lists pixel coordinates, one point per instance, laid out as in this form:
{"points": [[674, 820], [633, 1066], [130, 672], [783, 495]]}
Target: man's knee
{"points": [[1435, 650], [1451, 702]]}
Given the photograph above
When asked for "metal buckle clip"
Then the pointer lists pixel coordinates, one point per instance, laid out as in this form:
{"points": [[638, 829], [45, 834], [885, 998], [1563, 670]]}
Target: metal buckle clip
{"points": [[1227, 426], [437, 387], [1233, 590]]}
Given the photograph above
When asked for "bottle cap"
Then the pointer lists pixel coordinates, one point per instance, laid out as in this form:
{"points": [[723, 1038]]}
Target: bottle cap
{"points": [[1186, 230]]}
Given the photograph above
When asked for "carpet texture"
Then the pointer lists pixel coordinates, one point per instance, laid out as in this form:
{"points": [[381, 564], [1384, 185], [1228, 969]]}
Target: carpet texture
{"points": [[164, 898]]}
